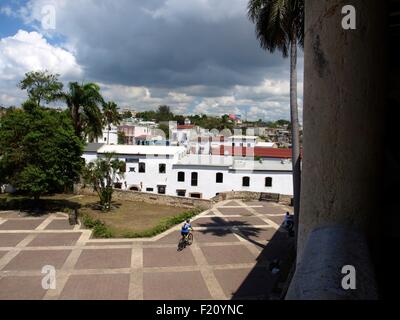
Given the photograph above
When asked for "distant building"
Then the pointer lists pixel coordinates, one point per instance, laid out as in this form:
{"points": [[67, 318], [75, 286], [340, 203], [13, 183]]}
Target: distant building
{"points": [[131, 132]]}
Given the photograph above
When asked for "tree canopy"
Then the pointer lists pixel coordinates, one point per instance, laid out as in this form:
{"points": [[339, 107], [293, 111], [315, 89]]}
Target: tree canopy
{"points": [[39, 151], [41, 86]]}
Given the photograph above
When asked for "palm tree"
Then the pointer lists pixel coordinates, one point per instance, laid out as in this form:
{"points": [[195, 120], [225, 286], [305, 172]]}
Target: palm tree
{"points": [[101, 175], [111, 116], [280, 25], [83, 103]]}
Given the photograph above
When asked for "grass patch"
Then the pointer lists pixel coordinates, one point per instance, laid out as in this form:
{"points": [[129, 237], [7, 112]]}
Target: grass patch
{"points": [[163, 225], [128, 219], [102, 230]]}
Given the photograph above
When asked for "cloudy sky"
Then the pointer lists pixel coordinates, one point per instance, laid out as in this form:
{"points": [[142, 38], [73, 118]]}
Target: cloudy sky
{"points": [[198, 56]]}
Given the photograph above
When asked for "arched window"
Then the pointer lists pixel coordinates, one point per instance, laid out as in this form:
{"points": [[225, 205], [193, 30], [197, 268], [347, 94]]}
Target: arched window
{"points": [[219, 177], [246, 182], [268, 182]]}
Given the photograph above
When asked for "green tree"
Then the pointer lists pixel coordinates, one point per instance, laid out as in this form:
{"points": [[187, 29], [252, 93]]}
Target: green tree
{"points": [[41, 86], [164, 113], [101, 176], [111, 116], [121, 137], [127, 115], [39, 151], [83, 103], [280, 25], [165, 129]]}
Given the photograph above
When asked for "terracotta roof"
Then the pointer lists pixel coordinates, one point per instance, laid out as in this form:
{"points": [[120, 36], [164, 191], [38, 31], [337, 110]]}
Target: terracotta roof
{"points": [[185, 126], [257, 152]]}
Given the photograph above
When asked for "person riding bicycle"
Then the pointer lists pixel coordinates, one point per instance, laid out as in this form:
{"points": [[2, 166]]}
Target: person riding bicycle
{"points": [[186, 228]]}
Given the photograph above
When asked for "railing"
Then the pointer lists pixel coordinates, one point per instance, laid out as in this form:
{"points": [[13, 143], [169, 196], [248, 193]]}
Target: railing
{"points": [[335, 265]]}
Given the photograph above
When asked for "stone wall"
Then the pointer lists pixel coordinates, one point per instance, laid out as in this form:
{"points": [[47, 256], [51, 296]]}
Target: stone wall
{"points": [[152, 198], [248, 196], [187, 202]]}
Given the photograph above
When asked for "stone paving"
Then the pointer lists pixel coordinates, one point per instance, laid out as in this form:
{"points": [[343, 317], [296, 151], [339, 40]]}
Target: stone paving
{"points": [[233, 245]]}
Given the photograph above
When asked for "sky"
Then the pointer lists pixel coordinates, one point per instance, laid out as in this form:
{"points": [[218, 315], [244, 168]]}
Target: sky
{"points": [[197, 56]]}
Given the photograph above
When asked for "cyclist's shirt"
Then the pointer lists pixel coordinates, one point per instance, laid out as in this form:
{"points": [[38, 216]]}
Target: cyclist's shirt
{"points": [[186, 228]]}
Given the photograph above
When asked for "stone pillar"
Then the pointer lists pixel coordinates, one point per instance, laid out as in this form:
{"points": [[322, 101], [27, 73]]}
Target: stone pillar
{"points": [[343, 117]]}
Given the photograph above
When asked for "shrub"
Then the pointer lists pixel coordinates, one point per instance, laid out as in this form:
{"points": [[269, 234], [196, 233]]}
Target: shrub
{"points": [[99, 228]]}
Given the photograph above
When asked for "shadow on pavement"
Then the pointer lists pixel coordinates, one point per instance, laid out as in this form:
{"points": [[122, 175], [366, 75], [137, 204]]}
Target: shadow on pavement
{"points": [[262, 282]]}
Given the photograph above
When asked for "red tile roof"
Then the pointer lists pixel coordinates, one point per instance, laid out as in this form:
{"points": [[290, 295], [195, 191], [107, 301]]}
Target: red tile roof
{"points": [[185, 126], [257, 152]]}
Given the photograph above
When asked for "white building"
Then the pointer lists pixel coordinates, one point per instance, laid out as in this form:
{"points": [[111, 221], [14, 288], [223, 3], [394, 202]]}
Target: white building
{"points": [[266, 145], [171, 170], [241, 141], [109, 136]]}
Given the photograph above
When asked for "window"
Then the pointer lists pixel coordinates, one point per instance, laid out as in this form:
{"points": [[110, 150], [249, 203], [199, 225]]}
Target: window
{"points": [[149, 189], [246, 182], [268, 182], [181, 176], [118, 185], [195, 176], [181, 193], [219, 177], [142, 167], [161, 189], [195, 195], [161, 168], [134, 188], [132, 169]]}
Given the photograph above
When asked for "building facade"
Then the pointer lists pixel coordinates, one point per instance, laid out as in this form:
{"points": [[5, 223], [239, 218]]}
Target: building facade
{"points": [[172, 171]]}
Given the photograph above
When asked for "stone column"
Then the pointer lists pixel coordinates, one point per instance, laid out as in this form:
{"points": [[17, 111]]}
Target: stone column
{"points": [[343, 117]]}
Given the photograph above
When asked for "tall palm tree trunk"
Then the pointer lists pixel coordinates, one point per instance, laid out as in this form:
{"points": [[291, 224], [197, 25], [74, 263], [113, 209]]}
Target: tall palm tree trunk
{"points": [[295, 132]]}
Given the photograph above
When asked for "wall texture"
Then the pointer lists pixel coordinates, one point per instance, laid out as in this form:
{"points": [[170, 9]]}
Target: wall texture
{"points": [[184, 201], [152, 198], [343, 116]]}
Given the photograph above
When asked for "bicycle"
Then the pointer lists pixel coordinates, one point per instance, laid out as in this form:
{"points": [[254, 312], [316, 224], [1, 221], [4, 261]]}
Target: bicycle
{"points": [[185, 241]]}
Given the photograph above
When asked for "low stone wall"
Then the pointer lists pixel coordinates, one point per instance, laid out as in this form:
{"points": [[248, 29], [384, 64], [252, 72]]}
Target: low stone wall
{"points": [[151, 198], [249, 196]]}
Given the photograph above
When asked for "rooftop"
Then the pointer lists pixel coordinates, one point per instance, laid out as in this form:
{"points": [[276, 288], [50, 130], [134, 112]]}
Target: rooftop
{"points": [[141, 150], [93, 147], [263, 165], [206, 160], [185, 126], [256, 152], [234, 164], [242, 137]]}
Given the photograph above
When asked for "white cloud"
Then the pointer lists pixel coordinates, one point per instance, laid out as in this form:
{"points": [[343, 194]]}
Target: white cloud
{"points": [[28, 51], [206, 59]]}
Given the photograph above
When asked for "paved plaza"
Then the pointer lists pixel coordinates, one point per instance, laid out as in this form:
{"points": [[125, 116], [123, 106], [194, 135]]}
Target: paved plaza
{"points": [[233, 245]]}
